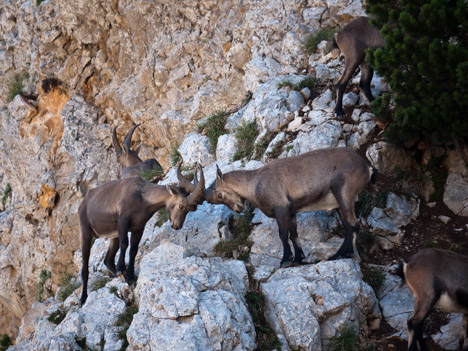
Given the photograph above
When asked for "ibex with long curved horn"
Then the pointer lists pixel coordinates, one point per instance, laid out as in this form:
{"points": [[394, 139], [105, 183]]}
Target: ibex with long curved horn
{"points": [[130, 163], [115, 208], [353, 40], [317, 180]]}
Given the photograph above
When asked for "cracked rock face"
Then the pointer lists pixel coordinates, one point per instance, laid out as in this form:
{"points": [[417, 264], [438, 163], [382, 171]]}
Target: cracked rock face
{"points": [[190, 303]]}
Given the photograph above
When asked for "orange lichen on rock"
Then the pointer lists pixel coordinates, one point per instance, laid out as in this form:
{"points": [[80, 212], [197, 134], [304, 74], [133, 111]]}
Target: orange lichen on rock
{"points": [[47, 196], [47, 121]]}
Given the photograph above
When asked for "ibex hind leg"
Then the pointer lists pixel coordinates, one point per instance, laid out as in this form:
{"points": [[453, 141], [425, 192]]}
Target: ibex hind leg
{"points": [[87, 235], [283, 220], [109, 261], [348, 218], [298, 252]]}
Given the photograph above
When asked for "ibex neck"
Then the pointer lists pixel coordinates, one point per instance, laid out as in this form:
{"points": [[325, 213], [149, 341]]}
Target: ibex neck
{"points": [[155, 195], [243, 183]]}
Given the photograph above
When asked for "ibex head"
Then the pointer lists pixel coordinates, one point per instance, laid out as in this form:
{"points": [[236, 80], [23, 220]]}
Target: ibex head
{"points": [[125, 155], [179, 204], [223, 193]]}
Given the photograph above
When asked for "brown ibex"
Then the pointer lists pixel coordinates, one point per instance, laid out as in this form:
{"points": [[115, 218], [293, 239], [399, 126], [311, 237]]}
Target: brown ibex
{"points": [[317, 180], [131, 164], [353, 41], [437, 278], [115, 208]]}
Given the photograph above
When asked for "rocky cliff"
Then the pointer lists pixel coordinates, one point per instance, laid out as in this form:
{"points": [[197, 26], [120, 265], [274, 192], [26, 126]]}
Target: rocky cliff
{"points": [[86, 67]]}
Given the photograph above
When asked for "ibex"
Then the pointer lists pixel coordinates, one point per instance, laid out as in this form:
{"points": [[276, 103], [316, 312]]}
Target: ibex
{"points": [[353, 41], [437, 278], [317, 180], [113, 209], [131, 164]]}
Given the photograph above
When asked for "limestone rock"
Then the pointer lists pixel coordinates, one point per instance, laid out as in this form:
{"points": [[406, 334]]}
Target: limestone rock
{"points": [[196, 149], [456, 186], [308, 305], [387, 158]]}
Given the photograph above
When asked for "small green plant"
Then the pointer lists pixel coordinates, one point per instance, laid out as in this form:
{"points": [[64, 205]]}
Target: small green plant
{"points": [[100, 283], [374, 277], [5, 342], [214, 126], [6, 193], [163, 217], [366, 241], [239, 246], [124, 320], [114, 290], [308, 82], [266, 337], [289, 148], [175, 156], [14, 84], [151, 174], [43, 277], [67, 286], [346, 341], [57, 316], [246, 135], [312, 40], [367, 201], [38, 2]]}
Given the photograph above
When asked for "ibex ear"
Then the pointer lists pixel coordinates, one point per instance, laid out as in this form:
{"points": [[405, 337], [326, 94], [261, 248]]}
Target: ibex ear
{"points": [[219, 175], [125, 149], [173, 191], [138, 148]]}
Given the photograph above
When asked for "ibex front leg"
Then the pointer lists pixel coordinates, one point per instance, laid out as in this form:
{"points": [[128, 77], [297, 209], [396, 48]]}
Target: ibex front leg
{"points": [[134, 242], [122, 229]]}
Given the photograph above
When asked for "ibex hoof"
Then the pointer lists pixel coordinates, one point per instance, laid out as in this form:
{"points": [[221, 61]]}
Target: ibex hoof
{"points": [[286, 264]]}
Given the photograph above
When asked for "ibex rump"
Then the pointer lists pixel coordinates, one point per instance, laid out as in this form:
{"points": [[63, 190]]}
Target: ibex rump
{"points": [[317, 180], [353, 41], [113, 209]]}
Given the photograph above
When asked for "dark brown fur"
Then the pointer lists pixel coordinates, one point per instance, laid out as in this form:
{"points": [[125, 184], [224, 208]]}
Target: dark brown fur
{"points": [[437, 278]]}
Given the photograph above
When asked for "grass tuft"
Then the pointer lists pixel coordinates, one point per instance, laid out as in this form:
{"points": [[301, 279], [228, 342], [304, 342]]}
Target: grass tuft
{"points": [[175, 156], [57, 316], [246, 135], [150, 174], [6, 193], [374, 277], [124, 320], [267, 339], [14, 84], [67, 287], [367, 201], [239, 246], [312, 40], [100, 283], [43, 277], [308, 82], [214, 126], [163, 217]]}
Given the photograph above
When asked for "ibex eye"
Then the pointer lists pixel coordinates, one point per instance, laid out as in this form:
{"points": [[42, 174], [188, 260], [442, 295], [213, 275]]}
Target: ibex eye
{"points": [[220, 195], [181, 207]]}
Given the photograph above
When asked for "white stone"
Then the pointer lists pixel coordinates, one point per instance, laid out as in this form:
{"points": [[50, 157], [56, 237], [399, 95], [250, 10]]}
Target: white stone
{"points": [[295, 124], [322, 136], [226, 147], [456, 186], [196, 149]]}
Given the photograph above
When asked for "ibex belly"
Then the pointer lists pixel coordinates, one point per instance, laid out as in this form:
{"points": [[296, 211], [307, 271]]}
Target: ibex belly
{"points": [[449, 305], [327, 202]]}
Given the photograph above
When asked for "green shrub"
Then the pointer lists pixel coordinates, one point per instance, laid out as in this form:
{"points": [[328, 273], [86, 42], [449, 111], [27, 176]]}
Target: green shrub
{"points": [[5, 342], [67, 286], [425, 62], [312, 40], [245, 136], [348, 340], [43, 277], [308, 82], [214, 126]]}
